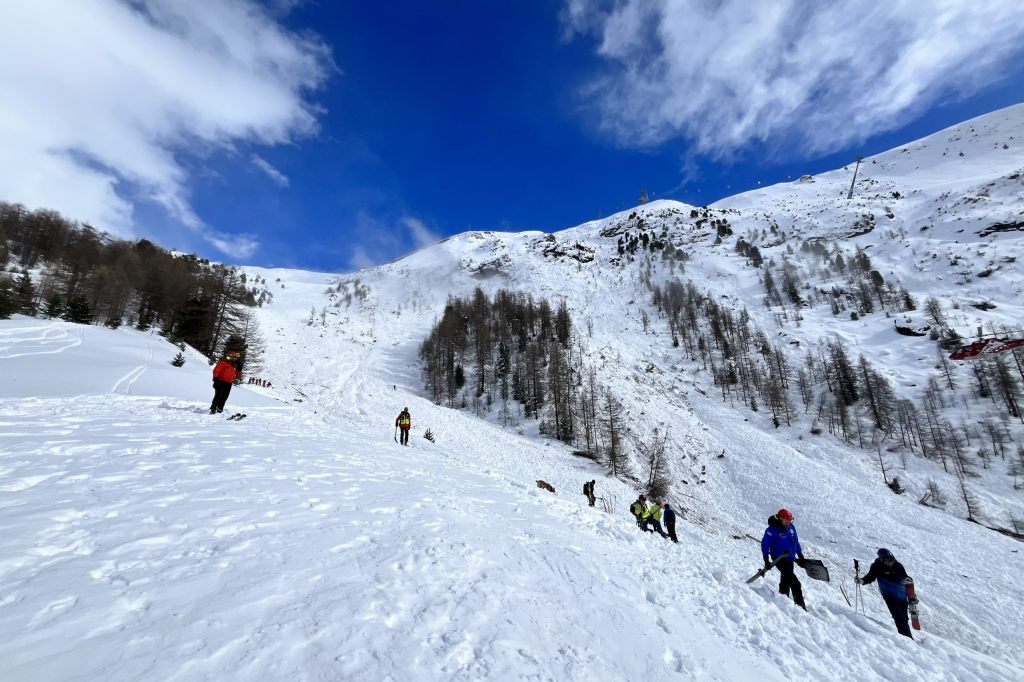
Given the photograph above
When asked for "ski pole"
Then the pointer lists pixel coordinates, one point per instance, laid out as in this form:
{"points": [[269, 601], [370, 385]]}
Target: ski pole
{"points": [[859, 598], [856, 584]]}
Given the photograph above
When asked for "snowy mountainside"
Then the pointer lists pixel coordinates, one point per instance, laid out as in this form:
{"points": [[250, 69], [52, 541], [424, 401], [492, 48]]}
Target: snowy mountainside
{"points": [[958, 181], [662, 389], [153, 543]]}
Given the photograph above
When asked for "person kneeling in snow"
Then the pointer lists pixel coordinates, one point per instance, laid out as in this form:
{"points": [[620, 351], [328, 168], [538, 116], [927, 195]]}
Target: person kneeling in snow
{"points": [[890, 575], [780, 537], [653, 517]]}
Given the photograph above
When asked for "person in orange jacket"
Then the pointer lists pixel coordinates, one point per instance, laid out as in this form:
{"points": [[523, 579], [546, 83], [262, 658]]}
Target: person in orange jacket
{"points": [[224, 375]]}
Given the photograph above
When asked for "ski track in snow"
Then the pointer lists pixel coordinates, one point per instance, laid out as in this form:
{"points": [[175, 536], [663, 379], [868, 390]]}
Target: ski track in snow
{"points": [[55, 337], [128, 380]]}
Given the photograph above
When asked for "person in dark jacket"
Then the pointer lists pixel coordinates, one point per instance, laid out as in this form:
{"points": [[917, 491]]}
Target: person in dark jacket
{"points": [[890, 575], [224, 375], [588, 490], [637, 509], [780, 537], [404, 422], [670, 522]]}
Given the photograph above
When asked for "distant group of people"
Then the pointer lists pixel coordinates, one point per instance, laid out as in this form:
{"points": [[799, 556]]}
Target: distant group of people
{"points": [[648, 517], [260, 382]]}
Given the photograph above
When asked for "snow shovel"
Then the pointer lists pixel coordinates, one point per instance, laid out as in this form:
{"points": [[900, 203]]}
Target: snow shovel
{"points": [[816, 570], [767, 568]]}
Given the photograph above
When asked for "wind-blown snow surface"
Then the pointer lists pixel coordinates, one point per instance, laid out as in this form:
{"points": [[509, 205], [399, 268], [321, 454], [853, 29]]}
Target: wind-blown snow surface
{"points": [[142, 539]]}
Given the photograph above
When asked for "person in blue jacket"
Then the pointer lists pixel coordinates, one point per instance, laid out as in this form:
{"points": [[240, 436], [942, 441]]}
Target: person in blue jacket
{"points": [[890, 575], [780, 537]]}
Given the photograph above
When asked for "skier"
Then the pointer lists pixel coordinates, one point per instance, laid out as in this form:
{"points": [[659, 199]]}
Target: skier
{"points": [[637, 509], [588, 490], [404, 422], [224, 374], [670, 522], [890, 575], [653, 517], [780, 536]]}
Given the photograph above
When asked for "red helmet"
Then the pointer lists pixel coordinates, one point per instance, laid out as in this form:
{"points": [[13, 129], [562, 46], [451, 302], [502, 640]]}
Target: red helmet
{"points": [[785, 515]]}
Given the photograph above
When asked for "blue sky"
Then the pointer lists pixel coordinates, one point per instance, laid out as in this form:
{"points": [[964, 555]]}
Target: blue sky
{"points": [[330, 135]]}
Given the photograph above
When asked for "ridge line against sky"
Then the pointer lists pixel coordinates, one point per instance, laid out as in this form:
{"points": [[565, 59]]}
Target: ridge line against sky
{"points": [[303, 134]]}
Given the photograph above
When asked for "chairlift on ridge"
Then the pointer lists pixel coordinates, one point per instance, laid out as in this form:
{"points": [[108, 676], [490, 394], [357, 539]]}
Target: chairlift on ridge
{"points": [[986, 346]]}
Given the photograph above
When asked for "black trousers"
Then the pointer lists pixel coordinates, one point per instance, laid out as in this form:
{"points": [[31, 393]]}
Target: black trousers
{"points": [[404, 436], [898, 610], [221, 389], [670, 526], [790, 583]]}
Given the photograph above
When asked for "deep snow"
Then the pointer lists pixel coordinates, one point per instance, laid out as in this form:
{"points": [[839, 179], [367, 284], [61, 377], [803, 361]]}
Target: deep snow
{"points": [[141, 538]]}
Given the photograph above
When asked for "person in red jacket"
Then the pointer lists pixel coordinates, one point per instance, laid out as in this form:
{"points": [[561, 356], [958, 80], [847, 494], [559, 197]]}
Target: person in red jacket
{"points": [[224, 375]]}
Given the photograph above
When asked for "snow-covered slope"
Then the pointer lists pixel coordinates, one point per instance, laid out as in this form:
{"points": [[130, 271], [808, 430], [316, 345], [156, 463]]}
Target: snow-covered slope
{"points": [[141, 540], [945, 213], [54, 359]]}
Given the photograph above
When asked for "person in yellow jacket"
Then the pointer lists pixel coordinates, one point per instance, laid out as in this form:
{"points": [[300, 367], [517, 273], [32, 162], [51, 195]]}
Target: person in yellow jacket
{"points": [[653, 517], [637, 509], [404, 422]]}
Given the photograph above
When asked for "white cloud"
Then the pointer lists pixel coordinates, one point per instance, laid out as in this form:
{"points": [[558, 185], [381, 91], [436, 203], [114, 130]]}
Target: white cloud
{"points": [[361, 259], [421, 235], [817, 75], [265, 166], [102, 100], [381, 241]]}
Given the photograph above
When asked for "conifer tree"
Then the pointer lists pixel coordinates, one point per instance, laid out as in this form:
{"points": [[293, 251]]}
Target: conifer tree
{"points": [[8, 301], [54, 307], [25, 294], [78, 311]]}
